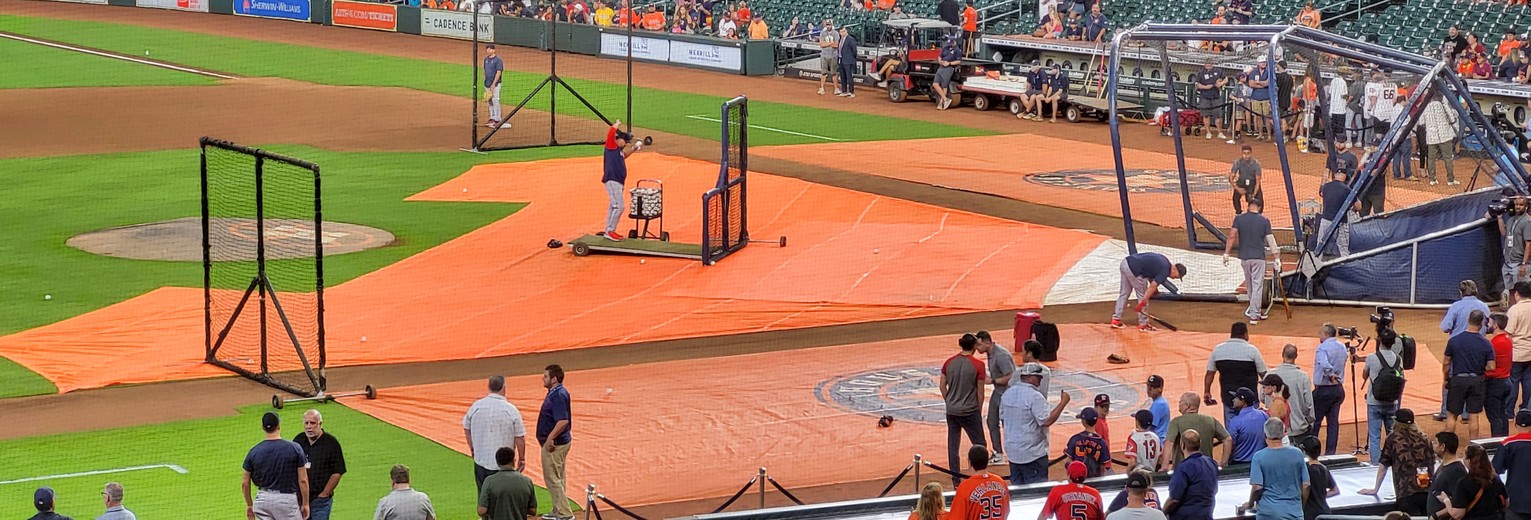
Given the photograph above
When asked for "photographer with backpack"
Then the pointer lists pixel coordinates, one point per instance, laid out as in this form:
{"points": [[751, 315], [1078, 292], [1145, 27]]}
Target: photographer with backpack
{"points": [[1384, 372]]}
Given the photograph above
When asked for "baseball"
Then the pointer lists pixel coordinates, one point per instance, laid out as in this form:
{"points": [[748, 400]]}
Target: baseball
{"points": [[874, 251], [47, 297], [642, 261], [363, 339], [465, 190], [608, 391]]}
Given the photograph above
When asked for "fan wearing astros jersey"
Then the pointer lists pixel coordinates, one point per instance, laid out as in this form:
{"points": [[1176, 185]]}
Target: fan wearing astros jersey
{"points": [[1074, 500], [983, 496]]}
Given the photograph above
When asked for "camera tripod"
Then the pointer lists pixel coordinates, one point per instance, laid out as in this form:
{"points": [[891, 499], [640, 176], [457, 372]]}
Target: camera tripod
{"points": [[1356, 387]]}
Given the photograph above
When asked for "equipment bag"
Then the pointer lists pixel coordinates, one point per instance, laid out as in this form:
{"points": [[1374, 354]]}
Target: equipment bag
{"points": [[1046, 334], [1408, 354], [1388, 386]]}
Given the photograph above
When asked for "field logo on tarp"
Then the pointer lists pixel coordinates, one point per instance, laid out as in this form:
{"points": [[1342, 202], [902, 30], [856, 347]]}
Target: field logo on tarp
{"points": [[1138, 180], [913, 393]]}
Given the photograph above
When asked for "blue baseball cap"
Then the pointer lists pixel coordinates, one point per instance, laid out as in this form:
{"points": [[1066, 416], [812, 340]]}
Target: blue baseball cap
{"points": [[43, 498]]}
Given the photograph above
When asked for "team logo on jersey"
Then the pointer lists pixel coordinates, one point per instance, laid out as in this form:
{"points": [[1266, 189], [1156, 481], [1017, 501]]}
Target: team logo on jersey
{"points": [[1139, 180], [913, 393]]}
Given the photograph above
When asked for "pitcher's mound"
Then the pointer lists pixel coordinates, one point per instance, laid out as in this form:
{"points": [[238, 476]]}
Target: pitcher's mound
{"points": [[232, 239]]}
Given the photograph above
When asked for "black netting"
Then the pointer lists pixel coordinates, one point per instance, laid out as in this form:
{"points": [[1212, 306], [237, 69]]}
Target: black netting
{"points": [[725, 226]]}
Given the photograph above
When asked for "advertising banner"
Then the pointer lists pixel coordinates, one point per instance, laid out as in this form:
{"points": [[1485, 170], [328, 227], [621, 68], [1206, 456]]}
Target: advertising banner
{"points": [[719, 57], [283, 9], [453, 24], [183, 5], [102, 2], [644, 48], [365, 15]]}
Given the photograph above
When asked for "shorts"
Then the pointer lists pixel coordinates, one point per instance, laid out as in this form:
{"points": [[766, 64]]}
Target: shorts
{"points": [[830, 65], [944, 77], [1465, 391], [1261, 109], [1211, 108]]}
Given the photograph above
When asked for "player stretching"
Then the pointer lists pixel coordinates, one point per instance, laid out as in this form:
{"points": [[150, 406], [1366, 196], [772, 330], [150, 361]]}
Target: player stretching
{"points": [[1074, 500], [983, 496], [615, 177], [1144, 273]]}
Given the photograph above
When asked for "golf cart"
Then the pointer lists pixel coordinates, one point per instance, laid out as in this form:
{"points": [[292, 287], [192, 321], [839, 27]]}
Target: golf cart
{"points": [[917, 43]]}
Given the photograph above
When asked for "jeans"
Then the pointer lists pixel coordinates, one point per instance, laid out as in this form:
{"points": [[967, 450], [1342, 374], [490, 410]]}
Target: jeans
{"points": [[1520, 379], [972, 424], [1378, 417], [996, 433], [1028, 473], [1326, 406], [319, 508], [1496, 405], [1402, 160], [1254, 279], [1130, 283], [848, 77], [614, 214]]}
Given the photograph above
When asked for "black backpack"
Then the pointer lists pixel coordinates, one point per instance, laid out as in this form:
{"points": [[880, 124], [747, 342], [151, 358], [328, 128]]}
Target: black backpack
{"points": [[1046, 334], [1388, 385]]}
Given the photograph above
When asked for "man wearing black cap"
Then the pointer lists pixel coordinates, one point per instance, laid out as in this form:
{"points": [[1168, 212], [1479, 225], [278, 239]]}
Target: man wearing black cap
{"points": [[950, 58], [1087, 446], [1411, 459], [43, 499], [279, 469], [1514, 459], [1246, 428], [1144, 273], [1158, 405], [1139, 484]]}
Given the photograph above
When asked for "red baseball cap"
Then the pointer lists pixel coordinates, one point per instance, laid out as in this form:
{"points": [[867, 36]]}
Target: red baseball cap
{"points": [[1077, 471]]}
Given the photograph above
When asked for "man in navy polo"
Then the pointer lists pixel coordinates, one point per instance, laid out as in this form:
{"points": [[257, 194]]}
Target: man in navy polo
{"points": [[1514, 457], [553, 426], [1144, 273], [1095, 25], [1193, 485]]}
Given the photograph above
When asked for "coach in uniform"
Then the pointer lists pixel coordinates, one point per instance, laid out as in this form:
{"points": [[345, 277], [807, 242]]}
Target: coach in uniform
{"points": [[1252, 233], [279, 469], [494, 68], [326, 464], [1144, 273], [615, 176]]}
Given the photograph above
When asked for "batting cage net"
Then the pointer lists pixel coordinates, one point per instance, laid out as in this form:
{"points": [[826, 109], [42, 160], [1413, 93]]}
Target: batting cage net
{"points": [[263, 264], [554, 96], [724, 226]]}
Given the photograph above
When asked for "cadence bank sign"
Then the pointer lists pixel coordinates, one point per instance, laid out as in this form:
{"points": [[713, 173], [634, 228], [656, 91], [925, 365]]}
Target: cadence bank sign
{"points": [[452, 24], [282, 9]]}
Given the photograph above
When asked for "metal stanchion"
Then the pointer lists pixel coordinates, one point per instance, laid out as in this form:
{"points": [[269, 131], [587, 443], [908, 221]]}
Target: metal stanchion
{"points": [[762, 479], [589, 500], [917, 463]]}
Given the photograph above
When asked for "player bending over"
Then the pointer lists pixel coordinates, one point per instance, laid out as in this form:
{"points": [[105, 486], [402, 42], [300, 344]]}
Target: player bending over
{"points": [[615, 176], [1144, 273]]}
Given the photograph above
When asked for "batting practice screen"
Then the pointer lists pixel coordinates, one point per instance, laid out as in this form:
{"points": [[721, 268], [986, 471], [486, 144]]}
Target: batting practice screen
{"points": [[263, 265], [724, 226]]}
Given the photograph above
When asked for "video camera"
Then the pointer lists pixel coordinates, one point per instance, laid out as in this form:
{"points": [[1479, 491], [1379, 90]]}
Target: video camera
{"points": [[1348, 332], [1501, 206], [1383, 317]]}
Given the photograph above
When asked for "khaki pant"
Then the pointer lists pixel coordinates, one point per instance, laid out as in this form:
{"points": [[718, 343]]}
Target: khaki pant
{"points": [[553, 477]]}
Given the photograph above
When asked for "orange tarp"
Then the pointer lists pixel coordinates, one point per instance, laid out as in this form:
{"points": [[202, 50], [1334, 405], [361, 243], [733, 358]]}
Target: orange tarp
{"points": [[999, 165], [682, 430], [851, 257]]}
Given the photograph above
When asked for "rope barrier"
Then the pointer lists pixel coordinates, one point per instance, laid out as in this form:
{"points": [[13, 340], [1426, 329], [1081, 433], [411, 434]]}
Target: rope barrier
{"points": [[736, 496], [596, 510], [783, 490], [944, 470], [617, 507], [895, 481]]}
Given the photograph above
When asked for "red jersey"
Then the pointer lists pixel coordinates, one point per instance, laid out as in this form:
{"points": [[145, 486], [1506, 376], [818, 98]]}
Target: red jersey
{"points": [[1503, 350], [1103, 428], [983, 497], [1073, 502]]}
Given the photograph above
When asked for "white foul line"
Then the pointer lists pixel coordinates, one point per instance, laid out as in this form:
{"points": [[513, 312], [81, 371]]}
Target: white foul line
{"points": [[171, 467], [768, 129], [113, 56]]}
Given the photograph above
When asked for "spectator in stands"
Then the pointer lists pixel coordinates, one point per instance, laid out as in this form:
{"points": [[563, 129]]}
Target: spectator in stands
{"points": [[507, 494], [983, 495], [1073, 500], [1073, 28], [932, 505], [1448, 474], [1087, 447], [1479, 496], [1508, 46], [280, 470], [1051, 27], [1454, 43], [403, 503], [743, 14], [1464, 65], [326, 464], [1193, 485], [43, 500], [950, 58], [1310, 17], [1440, 139], [758, 29], [1514, 459], [1246, 427], [1333, 194], [1321, 483], [1026, 415], [1209, 92], [491, 423], [969, 27], [1095, 25], [1190, 419], [1240, 11], [1144, 447], [1001, 367], [1380, 412], [730, 30], [848, 60], [1410, 457], [1468, 356], [962, 380], [1259, 82], [793, 30], [898, 13], [1237, 364], [829, 57], [682, 26], [652, 19], [1278, 477], [111, 496], [1497, 402], [950, 12], [1302, 389], [1509, 66], [1481, 67]]}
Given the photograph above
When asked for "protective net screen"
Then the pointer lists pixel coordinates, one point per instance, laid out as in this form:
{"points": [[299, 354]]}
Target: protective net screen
{"points": [[725, 228], [548, 95], [262, 266]]}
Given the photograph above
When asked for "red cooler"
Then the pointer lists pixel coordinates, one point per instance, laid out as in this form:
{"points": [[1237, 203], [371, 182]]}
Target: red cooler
{"points": [[1023, 322]]}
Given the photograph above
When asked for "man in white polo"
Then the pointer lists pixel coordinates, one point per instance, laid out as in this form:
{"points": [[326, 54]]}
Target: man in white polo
{"points": [[1026, 416], [490, 424]]}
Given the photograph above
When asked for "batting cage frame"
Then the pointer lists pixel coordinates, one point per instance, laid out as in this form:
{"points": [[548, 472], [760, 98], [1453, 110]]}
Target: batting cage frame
{"points": [[552, 38], [270, 329], [725, 226], [1413, 256]]}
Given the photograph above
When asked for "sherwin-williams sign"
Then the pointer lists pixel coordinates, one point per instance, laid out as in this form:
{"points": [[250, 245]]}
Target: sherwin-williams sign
{"points": [[365, 15], [284, 9], [452, 24]]}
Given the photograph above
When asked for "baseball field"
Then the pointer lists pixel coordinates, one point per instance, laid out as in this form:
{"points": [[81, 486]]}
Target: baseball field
{"points": [[101, 373]]}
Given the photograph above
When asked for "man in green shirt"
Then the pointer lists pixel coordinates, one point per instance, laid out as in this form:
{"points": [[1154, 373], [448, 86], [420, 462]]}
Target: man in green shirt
{"points": [[507, 495], [1190, 418]]}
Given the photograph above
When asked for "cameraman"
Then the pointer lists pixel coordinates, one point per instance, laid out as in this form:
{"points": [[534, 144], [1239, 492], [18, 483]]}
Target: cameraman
{"points": [[1515, 227]]}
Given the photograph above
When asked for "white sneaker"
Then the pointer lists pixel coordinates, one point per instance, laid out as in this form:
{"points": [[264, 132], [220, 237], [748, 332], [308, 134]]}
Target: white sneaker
{"points": [[850, 94], [883, 83], [821, 91], [1221, 135], [839, 92], [1303, 150], [1231, 141], [875, 76], [1453, 183], [1209, 135]]}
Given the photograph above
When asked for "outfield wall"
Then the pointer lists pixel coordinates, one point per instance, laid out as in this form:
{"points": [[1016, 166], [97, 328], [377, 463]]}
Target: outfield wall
{"points": [[748, 57]]}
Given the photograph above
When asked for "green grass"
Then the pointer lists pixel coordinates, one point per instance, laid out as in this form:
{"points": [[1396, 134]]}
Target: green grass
{"points": [[212, 451], [653, 109], [52, 199], [37, 66]]}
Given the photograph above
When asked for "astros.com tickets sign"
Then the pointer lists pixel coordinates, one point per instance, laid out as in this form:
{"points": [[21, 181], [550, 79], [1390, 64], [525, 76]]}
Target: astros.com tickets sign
{"points": [[364, 15], [283, 9]]}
